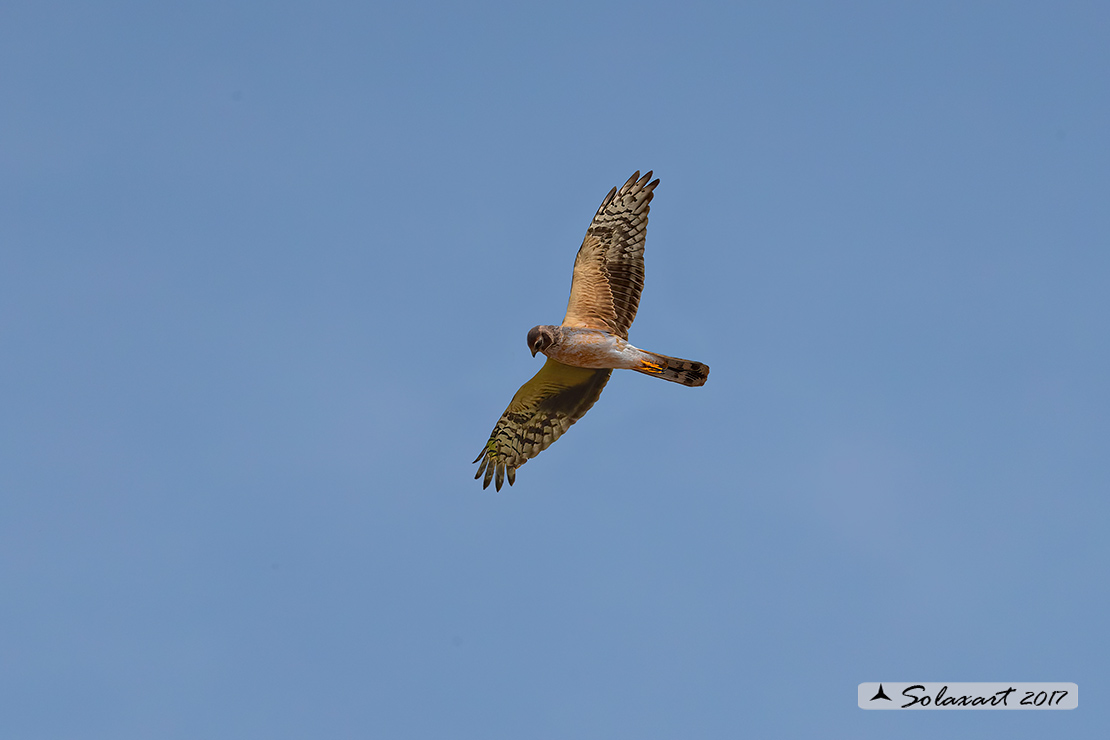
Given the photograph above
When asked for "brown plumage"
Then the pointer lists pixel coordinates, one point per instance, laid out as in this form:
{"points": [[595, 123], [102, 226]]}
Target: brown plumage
{"points": [[684, 372], [544, 407], [592, 341], [609, 267]]}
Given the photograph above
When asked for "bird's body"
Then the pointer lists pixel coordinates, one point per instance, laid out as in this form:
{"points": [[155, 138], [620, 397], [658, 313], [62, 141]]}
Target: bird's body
{"points": [[591, 348], [592, 340]]}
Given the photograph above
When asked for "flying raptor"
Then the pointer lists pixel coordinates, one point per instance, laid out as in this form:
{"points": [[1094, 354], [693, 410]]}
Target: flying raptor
{"points": [[592, 340]]}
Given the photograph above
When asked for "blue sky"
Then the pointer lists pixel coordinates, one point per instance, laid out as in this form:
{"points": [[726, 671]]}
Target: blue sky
{"points": [[266, 271]]}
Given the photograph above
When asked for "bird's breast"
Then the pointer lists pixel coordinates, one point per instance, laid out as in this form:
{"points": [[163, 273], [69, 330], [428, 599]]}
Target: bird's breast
{"points": [[593, 349]]}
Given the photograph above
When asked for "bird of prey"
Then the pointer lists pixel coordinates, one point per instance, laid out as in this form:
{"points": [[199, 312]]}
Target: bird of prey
{"points": [[592, 340]]}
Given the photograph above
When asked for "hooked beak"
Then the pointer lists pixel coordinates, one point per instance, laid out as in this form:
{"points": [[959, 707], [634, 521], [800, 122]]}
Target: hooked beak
{"points": [[533, 351]]}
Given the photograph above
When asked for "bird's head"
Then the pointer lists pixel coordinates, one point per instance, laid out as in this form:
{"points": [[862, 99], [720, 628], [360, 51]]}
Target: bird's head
{"points": [[540, 338]]}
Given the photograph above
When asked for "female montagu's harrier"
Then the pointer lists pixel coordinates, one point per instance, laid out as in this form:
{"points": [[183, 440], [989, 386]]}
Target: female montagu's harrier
{"points": [[592, 340]]}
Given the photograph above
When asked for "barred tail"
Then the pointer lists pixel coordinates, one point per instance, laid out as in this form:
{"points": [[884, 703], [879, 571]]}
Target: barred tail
{"points": [[686, 372]]}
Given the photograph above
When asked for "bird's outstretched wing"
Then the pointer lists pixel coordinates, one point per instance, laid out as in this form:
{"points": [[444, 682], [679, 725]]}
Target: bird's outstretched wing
{"points": [[609, 268], [544, 407]]}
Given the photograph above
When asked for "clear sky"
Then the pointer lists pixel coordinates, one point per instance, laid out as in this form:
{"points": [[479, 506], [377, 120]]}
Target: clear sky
{"points": [[266, 271]]}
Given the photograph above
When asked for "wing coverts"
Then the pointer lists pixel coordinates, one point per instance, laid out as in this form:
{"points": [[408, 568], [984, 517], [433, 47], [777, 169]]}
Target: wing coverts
{"points": [[544, 407]]}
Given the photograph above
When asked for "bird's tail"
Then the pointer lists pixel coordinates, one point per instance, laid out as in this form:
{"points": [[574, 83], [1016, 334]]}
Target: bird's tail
{"points": [[686, 372]]}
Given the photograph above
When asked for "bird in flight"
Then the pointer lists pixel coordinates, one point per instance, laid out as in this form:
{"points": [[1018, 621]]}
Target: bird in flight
{"points": [[591, 342]]}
